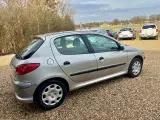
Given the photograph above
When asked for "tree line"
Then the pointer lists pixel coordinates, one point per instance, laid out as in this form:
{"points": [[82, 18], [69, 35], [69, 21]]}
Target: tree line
{"points": [[134, 20]]}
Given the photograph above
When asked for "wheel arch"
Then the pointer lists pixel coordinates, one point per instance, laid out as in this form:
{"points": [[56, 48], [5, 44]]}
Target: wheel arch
{"points": [[139, 57], [54, 78]]}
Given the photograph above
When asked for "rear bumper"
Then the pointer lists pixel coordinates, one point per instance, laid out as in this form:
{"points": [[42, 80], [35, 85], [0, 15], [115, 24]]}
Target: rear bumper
{"points": [[146, 36], [128, 36], [24, 91], [24, 100]]}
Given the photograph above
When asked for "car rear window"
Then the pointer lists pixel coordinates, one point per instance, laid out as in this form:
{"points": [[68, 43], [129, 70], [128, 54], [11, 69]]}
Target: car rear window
{"points": [[126, 29], [149, 26], [28, 51]]}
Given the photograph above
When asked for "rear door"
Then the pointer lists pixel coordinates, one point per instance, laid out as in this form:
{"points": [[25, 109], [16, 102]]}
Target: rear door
{"points": [[109, 58], [75, 58]]}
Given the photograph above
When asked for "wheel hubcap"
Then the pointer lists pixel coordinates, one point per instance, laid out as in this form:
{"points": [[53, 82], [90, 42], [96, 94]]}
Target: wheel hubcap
{"points": [[52, 94], [136, 68]]}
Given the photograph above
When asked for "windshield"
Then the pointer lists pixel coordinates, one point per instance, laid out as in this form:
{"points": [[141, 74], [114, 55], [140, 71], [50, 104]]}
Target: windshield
{"points": [[28, 51]]}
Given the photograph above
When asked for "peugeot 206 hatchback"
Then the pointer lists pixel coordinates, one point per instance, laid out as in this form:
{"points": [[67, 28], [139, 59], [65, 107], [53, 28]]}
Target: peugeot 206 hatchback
{"points": [[56, 63]]}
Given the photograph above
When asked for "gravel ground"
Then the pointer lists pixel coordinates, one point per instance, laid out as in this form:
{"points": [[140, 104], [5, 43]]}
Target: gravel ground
{"points": [[122, 98]]}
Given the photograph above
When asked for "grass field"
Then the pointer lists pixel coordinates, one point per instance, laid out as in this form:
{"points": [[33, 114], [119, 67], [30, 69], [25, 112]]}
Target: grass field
{"points": [[137, 27], [143, 44], [118, 27]]}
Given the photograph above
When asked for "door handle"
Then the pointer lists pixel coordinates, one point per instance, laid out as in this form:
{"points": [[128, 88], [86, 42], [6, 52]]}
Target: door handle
{"points": [[101, 58], [66, 63]]}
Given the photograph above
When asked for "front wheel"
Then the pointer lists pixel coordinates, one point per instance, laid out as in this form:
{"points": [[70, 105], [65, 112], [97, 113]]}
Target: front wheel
{"points": [[50, 94], [135, 67]]}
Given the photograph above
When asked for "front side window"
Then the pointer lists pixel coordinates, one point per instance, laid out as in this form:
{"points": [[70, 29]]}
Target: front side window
{"points": [[102, 44], [71, 45]]}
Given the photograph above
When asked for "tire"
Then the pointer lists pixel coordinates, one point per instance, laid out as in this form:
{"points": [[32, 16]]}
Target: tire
{"points": [[56, 90], [131, 71], [132, 38], [156, 38]]}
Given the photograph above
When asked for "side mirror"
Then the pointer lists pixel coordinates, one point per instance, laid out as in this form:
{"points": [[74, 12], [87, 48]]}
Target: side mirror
{"points": [[121, 47]]}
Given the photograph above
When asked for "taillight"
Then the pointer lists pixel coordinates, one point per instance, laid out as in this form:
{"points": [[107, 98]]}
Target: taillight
{"points": [[119, 32], [26, 68], [108, 33], [156, 30], [140, 31], [131, 31]]}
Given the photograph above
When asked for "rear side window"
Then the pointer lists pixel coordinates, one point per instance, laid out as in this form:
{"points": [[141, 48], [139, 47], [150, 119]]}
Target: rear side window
{"points": [[149, 26], [28, 51], [71, 45]]}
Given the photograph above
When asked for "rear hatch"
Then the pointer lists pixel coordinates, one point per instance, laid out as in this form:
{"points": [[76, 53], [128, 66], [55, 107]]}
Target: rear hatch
{"points": [[149, 30], [125, 32], [21, 57]]}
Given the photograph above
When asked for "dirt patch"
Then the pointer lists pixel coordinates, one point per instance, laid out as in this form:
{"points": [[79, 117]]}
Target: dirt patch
{"points": [[5, 60], [143, 44]]}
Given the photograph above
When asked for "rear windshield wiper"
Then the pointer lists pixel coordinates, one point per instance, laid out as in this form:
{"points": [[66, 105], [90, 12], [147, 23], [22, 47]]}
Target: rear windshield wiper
{"points": [[18, 56]]}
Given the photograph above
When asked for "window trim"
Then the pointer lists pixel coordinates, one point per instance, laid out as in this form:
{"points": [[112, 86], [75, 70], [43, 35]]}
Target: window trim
{"points": [[83, 39], [85, 36]]}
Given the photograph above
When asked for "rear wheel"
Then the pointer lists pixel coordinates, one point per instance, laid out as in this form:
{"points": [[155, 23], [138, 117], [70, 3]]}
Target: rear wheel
{"points": [[156, 37], [135, 67], [132, 38], [51, 94]]}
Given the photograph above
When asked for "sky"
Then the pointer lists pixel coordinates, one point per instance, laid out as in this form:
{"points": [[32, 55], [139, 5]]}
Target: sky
{"points": [[107, 10]]}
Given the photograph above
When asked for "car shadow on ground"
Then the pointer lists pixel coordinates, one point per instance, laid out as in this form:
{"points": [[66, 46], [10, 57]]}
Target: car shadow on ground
{"points": [[148, 39]]}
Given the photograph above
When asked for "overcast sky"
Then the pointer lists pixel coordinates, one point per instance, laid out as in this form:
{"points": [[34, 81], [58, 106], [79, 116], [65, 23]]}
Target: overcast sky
{"points": [[107, 10]]}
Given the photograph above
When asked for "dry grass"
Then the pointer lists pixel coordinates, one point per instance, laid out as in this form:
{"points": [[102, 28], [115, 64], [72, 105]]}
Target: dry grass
{"points": [[122, 98], [118, 27], [21, 19], [143, 44]]}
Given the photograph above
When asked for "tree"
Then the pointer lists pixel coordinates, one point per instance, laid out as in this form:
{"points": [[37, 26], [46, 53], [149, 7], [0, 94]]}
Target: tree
{"points": [[115, 22]]}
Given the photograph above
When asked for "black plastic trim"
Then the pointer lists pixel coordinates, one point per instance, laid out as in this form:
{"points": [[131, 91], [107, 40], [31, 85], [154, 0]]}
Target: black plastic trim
{"points": [[97, 69]]}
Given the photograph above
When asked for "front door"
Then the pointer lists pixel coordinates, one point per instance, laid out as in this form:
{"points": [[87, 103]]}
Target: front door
{"points": [[109, 58], [74, 58]]}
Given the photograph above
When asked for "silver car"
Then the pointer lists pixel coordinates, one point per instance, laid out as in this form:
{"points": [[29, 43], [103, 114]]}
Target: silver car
{"points": [[127, 33], [56, 63]]}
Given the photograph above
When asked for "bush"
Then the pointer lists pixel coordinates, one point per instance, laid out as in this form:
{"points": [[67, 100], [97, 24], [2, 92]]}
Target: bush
{"points": [[21, 20]]}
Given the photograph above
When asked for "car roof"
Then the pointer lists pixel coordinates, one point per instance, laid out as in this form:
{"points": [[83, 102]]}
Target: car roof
{"points": [[96, 28], [126, 28], [148, 24], [64, 33]]}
